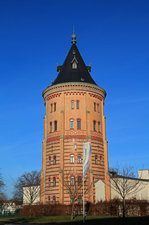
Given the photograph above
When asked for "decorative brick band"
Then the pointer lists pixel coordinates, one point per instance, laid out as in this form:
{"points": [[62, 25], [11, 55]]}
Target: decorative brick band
{"points": [[96, 138], [74, 93], [95, 96], [53, 139], [75, 136], [53, 96]]}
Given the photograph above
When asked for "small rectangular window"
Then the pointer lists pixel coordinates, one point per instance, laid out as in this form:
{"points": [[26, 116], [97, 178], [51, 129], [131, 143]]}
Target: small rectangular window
{"points": [[55, 125], [49, 159], [97, 107], [54, 107], [54, 199], [71, 199], [78, 124], [50, 126], [95, 159], [94, 106], [51, 107], [80, 200], [94, 125], [77, 104], [54, 159], [72, 104], [98, 126], [72, 124]]}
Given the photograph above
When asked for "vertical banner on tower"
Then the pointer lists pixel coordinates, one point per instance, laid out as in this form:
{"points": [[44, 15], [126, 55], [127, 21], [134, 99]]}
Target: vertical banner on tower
{"points": [[86, 156]]}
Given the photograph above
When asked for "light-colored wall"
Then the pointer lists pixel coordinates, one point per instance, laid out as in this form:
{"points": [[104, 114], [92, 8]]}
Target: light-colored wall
{"points": [[144, 193], [100, 190], [142, 187], [35, 190], [143, 174]]}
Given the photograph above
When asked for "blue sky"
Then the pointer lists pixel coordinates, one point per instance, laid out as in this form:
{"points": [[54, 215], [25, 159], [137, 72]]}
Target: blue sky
{"points": [[35, 35]]}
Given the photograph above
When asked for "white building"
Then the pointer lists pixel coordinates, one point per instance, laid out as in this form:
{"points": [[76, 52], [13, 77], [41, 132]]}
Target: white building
{"points": [[140, 192], [31, 195]]}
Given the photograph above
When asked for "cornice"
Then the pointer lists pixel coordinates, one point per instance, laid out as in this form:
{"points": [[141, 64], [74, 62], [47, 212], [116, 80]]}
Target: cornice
{"points": [[74, 86]]}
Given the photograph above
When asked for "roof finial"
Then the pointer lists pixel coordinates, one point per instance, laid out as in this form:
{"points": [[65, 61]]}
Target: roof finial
{"points": [[73, 41]]}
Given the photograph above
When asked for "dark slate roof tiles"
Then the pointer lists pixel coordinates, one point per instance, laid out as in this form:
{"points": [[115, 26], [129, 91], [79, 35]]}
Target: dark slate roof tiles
{"points": [[68, 74]]}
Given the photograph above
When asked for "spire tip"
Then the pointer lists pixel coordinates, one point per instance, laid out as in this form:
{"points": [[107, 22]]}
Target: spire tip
{"points": [[73, 41]]}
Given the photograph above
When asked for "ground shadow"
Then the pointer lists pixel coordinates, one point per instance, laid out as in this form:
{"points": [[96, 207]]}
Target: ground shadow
{"points": [[100, 221]]}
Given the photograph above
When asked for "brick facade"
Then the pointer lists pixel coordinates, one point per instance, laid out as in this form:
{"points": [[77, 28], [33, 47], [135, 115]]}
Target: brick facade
{"points": [[61, 141]]}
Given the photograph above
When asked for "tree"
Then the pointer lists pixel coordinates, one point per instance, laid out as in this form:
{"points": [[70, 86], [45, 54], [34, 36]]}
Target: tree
{"points": [[125, 184], [2, 195], [74, 187], [27, 188], [1, 184]]}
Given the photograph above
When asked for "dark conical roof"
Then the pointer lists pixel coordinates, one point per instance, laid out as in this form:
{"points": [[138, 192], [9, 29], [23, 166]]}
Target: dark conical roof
{"points": [[74, 68]]}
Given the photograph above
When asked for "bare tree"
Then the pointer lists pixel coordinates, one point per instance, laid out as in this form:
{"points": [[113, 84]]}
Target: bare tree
{"points": [[27, 188], [2, 194], [74, 187], [125, 184], [1, 184]]}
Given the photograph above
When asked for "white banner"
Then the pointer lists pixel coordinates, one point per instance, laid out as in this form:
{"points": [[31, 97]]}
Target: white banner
{"points": [[86, 156]]}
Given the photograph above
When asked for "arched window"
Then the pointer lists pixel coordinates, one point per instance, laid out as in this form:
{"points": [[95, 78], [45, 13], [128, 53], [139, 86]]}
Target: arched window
{"points": [[75, 146], [71, 123], [79, 158], [79, 179], [71, 158], [54, 159], [49, 179], [72, 104], [80, 200], [54, 181], [49, 198], [77, 104], [78, 124], [95, 159], [74, 65], [72, 180]]}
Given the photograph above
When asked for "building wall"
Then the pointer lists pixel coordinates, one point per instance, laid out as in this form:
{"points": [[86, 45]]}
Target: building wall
{"points": [[31, 195], [144, 191], [65, 141], [100, 190], [141, 190]]}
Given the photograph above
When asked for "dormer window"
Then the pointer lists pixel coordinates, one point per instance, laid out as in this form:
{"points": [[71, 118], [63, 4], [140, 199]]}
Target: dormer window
{"points": [[74, 63]]}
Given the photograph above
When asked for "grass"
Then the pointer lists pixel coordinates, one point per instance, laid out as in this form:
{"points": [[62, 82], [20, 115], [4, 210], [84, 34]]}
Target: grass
{"points": [[90, 220]]}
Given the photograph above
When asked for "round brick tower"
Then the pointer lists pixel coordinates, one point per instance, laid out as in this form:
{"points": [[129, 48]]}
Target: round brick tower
{"points": [[74, 114]]}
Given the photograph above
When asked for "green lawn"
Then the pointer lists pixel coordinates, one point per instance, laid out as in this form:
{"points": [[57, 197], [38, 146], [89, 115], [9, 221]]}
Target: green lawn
{"points": [[90, 220]]}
